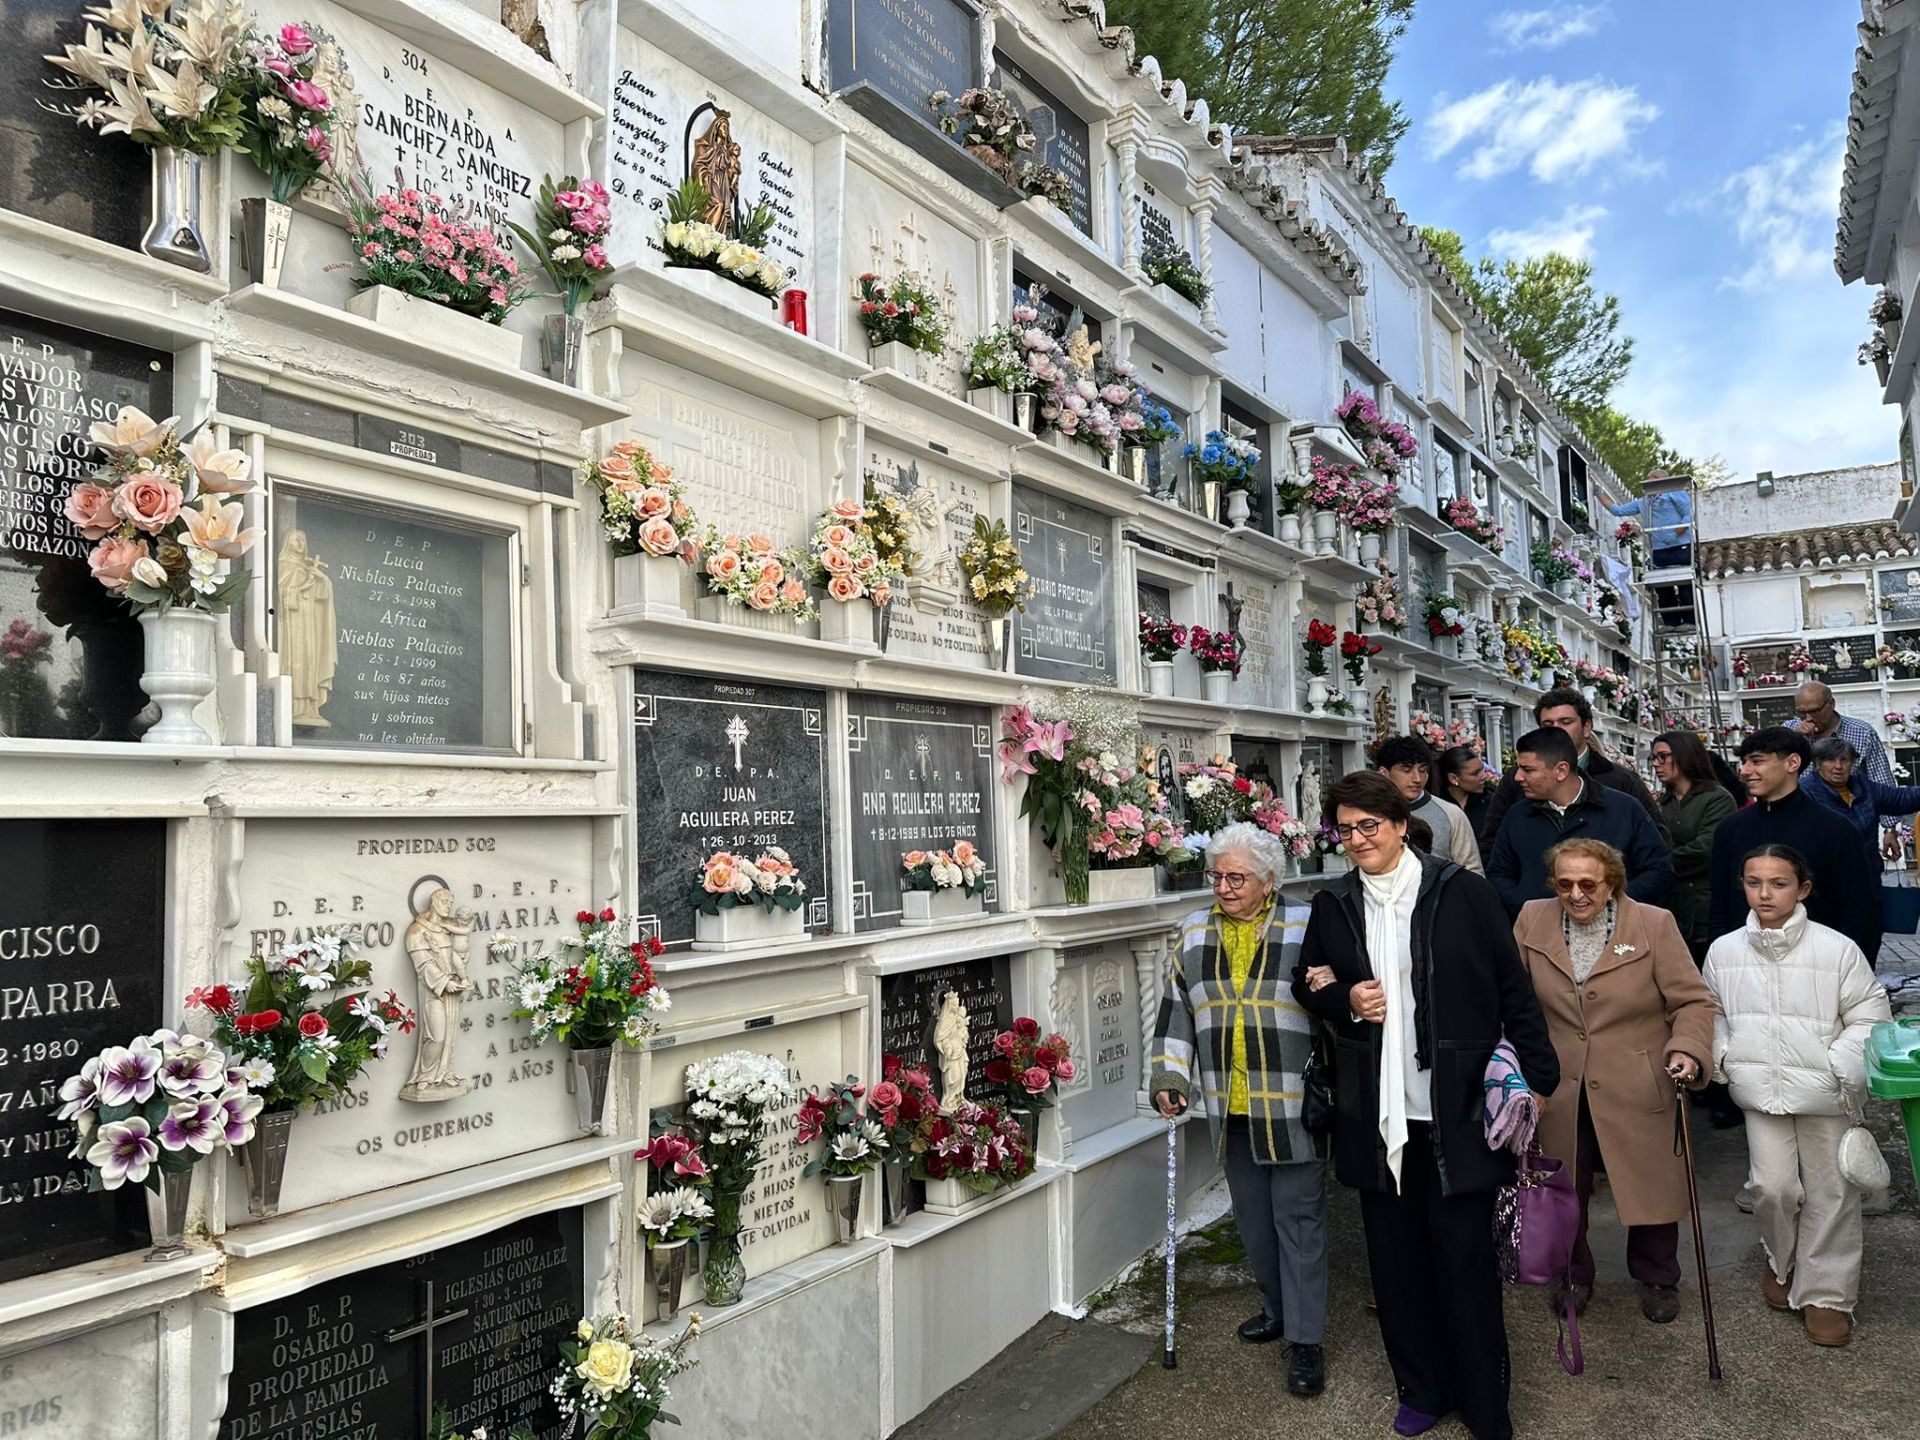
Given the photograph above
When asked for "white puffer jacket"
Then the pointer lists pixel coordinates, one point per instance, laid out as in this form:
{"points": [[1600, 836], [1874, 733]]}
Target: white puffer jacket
{"points": [[1796, 1006]]}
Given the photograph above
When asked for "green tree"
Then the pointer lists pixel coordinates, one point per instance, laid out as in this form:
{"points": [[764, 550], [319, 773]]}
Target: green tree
{"points": [[1282, 67]]}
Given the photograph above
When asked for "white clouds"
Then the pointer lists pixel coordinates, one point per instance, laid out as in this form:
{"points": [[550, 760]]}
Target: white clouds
{"points": [[1548, 28], [1782, 210], [1569, 233], [1555, 131]]}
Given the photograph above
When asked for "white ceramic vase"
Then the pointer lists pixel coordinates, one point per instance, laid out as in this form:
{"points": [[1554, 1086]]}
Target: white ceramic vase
{"points": [[1218, 686], [930, 907], [178, 672], [1159, 677], [739, 926]]}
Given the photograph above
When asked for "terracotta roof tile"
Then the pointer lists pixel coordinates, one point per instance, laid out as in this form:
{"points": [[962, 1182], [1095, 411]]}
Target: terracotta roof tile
{"points": [[1807, 549]]}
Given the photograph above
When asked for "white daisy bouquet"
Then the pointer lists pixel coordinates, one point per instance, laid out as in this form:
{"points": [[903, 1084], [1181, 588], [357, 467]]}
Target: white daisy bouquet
{"points": [[613, 1379], [595, 988], [855, 1143], [728, 1100], [158, 1106]]}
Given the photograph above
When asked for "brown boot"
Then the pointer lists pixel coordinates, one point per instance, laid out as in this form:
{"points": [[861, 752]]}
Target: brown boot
{"points": [[1773, 1291], [1827, 1327]]}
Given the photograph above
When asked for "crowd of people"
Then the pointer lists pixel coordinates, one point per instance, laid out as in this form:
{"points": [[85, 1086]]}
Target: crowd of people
{"points": [[1627, 947]]}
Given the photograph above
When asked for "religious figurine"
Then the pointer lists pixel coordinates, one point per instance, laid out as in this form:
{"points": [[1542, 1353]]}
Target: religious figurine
{"points": [[926, 521], [1081, 350], [1843, 656], [1310, 794], [716, 165], [950, 1044], [309, 651], [436, 943]]}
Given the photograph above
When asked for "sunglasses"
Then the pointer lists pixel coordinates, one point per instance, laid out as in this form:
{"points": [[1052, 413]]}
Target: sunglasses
{"points": [[1584, 885], [1365, 829]]}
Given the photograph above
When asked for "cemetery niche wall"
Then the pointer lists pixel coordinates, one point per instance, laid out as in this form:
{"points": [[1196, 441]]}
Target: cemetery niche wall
{"points": [[1066, 632]]}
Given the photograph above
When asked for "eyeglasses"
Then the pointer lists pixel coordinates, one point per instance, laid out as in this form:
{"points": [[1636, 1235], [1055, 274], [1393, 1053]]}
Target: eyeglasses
{"points": [[1366, 829], [1584, 885], [1232, 879], [1659, 755], [1809, 714]]}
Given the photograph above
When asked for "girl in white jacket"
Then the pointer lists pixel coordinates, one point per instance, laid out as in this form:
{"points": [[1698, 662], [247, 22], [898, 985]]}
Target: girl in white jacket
{"points": [[1796, 1003]]}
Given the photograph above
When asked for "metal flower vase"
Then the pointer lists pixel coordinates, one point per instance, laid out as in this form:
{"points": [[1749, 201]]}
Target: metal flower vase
{"points": [[1028, 1119], [844, 1194], [265, 227], [999, 642], [897, 1189], [1026, 410], [666, 1277], [174, 232], [167, 1214], [563, 343], [587, 1079], [264, 1158], [178, 672]]}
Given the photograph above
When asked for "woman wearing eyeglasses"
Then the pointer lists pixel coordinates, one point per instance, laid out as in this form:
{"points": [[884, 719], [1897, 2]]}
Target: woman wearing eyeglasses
{"points": [[1410, 959], [1692, 803], [1630, 1017], [1228, 1009]]}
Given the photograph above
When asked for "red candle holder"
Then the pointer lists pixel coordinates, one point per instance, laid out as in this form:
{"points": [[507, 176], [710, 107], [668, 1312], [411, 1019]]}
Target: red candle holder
{"points": [[793, 311]]}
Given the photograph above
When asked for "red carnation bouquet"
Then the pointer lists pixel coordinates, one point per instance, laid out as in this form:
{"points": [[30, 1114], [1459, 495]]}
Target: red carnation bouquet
{"points": [[594, 989], [1027, 1067], [1320, 636], [1355, 652]]}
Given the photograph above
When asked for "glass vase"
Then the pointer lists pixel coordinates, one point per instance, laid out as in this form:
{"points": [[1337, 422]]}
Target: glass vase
{"points": [[724, 1276], [1076, 871]]}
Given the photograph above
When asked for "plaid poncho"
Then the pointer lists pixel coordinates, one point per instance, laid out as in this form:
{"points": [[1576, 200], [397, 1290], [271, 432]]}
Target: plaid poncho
{"points": [[1197, 1021]]}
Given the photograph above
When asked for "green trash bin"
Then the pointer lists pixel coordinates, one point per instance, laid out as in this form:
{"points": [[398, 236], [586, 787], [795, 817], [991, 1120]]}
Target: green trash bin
{"points": [[1893, 1073]]}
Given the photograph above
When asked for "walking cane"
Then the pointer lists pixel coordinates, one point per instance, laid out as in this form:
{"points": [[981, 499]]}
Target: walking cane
{"points": [[1167, 1360], [1683, 1139]]}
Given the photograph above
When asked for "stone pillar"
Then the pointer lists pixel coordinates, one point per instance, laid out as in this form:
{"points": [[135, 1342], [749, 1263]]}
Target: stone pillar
{"points": [[1203, 220], [1128, 149]]}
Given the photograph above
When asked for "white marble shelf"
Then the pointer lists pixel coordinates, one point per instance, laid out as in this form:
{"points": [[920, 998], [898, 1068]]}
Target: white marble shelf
{"points": [[1275, 556], [1142, 1129], [725, 62], [955, 409], [311, 317], [1044, 222], [132, 752], [1362, 360], [1178, 523], [75, 279], [459, 35], [1423, 520], [1073, 473], [129, 1281], [764, 1290], [303, 1227], [1340, 569], [1167, 315], [922, 1225]]}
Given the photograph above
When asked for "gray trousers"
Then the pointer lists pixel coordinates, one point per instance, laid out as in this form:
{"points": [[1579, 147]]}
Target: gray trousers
{"points": [[1282, 1214]]}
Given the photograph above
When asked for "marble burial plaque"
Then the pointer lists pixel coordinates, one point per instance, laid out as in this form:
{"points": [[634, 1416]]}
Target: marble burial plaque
{"points": [[395, 627], [81, 955], [1066, 632], [1900, 596], [444, 130], [70, 653], [1845, 657], [905, 49], [353, 1356], [1096, 1006], [1061, 138], [921, 773], [653, 129], [1161, 226], [50, 167], [910, 1004], [724, 765], [468, 1085], [1259, 681], [56, 1391], [935, 619]]}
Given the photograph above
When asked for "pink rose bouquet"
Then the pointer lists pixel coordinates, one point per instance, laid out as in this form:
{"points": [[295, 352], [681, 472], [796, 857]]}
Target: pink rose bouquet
{"points": [[433, 249], [1028, 1066], [293, 83], [643, 509], [569, 236], [859, 550]]}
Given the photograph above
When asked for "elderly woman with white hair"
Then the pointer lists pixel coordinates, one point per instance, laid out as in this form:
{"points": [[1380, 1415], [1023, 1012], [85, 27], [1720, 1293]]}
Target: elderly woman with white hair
{"points": [[1228, 1014]]}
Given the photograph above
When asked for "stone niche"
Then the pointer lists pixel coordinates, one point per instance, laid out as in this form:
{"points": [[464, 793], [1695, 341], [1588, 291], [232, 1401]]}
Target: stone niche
{"points": [[1260, 670], [96, 1383], [653, 127], [783, 1217], [1096, 1006], [82, 926], [935, 619], [496, 1094], [910, 1004], [1067, 631], [890, 235]]}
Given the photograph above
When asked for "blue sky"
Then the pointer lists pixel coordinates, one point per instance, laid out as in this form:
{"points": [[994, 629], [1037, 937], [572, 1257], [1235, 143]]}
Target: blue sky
{"points": [[1692, 151]]}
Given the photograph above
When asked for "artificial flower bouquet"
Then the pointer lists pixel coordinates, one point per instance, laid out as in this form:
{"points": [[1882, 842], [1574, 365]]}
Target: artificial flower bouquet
{"points": [[1157, 425], [1320, 637], [990, 561], [1385, 444], [166, 76], [847, 557], [1445, 615], [676, 1207], [855, 1143], [897, 1104], [751, 572], [988, 125], [1161, 638], [900, 311], [1230, 460], [290, 83], [1130, 827], [1379, 604], [1800, 661], [1339, 702], [153, 545], [960, 868], [284, 1047], [1029, 1066], [612, 1382], [997, 361], [571, 221], [595, 988], [1355, 652], [1463, 515], [1169, 265], [1070, 755], [1626, 532], [1218, 651], [643, 509], [1327, 843], [155, 1107], [728, 1101], [1215, 795], [980, 1146], [431, 248], [692, 242], [1553, 563], [770, 880]]}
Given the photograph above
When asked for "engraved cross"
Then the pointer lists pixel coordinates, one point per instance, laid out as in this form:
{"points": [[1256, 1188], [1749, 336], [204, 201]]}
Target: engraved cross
{"points": [[737, 732], [428, 1322], [921, 746]]}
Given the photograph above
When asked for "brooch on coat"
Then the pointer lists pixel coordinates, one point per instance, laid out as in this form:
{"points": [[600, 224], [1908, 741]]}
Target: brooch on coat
{"points": [[1623, 949]]}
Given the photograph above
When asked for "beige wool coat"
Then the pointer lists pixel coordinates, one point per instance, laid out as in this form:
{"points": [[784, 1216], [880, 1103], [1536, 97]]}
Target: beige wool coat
{"points": [[1643, 1002]]}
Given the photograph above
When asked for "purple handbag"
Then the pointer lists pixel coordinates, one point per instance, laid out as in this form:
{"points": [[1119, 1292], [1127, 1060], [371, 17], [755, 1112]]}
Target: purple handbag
{"points": [[1534, 1222]]}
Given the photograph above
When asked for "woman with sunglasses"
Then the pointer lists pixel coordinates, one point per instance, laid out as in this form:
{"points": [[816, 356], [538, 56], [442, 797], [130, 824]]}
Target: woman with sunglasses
{"points": [[1410, 960], [1630, 1018]]}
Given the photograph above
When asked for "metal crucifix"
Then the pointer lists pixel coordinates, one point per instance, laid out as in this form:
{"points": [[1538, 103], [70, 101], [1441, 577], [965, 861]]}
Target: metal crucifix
{"points": [[424, 1327]]}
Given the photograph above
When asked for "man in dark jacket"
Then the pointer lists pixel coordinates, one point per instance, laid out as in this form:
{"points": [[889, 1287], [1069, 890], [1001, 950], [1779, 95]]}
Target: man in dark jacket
{"points": [[1846, 889], [1559, 804], [1568, 710]]}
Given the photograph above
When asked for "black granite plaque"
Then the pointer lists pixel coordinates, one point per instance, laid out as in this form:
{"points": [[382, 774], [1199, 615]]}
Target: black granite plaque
{"points": [[333, 1360], [51, 168], [1898, 640], [921, 774], [1900, 596], [1061, 138], [724, 765], [81, 919], [910, 1004], [70, 652], [905, 49], [394, 627], [1845, 657], [1767, 711], [1066, 632]]}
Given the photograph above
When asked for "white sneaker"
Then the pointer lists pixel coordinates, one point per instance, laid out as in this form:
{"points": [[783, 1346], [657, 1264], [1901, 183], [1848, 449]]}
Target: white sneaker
{"points": [[1743, 1201]]}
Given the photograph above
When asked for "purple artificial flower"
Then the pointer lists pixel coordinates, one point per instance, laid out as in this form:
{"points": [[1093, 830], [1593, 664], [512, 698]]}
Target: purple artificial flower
{"points": [[122, 1151], [238, 1112], [82, 1091], [127, 1074], [192, 1069], [193, 1125]]}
